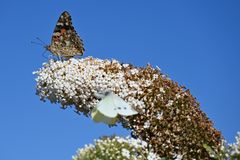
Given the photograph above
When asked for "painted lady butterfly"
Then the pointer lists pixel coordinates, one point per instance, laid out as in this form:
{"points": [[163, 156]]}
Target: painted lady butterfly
{"points": [[65, 41]]}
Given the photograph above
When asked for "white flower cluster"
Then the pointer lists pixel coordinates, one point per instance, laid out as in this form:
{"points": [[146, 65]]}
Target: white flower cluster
{"points": [[116, 148], [234, 148], [74, 82], [153, 156], [227, 150]]}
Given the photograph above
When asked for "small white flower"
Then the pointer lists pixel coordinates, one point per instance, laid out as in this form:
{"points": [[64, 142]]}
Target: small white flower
{"points": [[159, 115], [188, 118], [170, 103], [146, 124], [162, 90], [155, 76], [125, 65], [125, 153], [147, 83], [178, 95], [134, 71], [179, 157], [152, 156]]}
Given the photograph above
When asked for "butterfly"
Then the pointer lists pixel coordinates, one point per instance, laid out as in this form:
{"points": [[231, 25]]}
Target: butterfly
{"points": [[65, 41], [109, 107]]}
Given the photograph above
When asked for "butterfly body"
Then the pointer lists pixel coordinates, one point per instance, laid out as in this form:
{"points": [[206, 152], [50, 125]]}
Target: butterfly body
{"points": [[65, 41]]}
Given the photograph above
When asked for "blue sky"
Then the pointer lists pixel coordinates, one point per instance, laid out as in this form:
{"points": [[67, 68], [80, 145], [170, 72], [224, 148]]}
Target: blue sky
{"points": [[196, 43]]}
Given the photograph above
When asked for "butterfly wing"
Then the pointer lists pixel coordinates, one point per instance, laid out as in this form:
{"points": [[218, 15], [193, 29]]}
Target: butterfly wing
{"points": [[122, 107], [65, 41], [106, 107], [99, 117]]}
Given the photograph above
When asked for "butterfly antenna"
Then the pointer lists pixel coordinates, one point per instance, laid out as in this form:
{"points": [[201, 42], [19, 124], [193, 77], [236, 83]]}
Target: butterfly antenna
{"points": [[37, 43], [42, 42]]}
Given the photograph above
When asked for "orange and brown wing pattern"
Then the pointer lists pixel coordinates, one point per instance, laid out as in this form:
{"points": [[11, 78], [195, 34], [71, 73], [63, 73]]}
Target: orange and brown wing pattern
{"points": [[65, 40]]}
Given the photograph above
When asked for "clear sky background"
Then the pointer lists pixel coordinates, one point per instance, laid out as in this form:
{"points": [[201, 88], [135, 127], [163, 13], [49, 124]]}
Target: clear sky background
{"points": [[196, 43]]}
